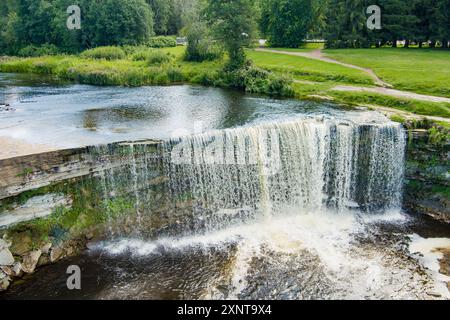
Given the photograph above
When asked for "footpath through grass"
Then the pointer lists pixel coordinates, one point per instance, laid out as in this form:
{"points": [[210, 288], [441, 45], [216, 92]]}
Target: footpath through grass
{"points": [[309, 69], [425, 71]]}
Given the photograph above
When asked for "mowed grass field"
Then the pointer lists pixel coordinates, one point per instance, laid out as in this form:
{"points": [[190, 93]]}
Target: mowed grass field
{"points": [[425, 71], [303, 68]]}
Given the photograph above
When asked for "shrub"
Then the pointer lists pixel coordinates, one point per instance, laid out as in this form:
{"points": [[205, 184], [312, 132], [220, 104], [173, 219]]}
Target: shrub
{"points": [[200, 46], [141, 55], [162, 42], [38, 51], [108, 53], [438, 136], [175, 74], [256, 80], [158, 57]]}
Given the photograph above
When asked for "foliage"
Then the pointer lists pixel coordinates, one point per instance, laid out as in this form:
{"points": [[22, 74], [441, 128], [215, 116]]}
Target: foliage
{"points": [[201, 46], [416, 21], [158, 57], [38, 51], [439, 136], [162, 42], [234, 25], [108, 53], [257, 80], [286, 22]]}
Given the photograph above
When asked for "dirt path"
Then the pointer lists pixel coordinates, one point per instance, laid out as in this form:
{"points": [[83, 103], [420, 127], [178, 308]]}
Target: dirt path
{"points": [[318, 55], [383, 87], [393, 93], [405, 114]]}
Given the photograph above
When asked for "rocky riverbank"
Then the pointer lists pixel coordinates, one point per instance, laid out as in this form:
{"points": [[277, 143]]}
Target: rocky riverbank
{"points": [[427, 175]]}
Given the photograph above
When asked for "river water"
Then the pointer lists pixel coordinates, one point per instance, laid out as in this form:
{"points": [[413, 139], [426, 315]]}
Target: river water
{"points": [[290, 199]]}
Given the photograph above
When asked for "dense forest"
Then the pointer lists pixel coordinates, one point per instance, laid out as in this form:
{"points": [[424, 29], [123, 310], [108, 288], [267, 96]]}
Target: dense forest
{"points": [[285, 23]]}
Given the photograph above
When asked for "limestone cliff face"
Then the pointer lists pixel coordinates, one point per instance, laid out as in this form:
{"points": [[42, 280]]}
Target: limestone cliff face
{"points": [[427, 176]]}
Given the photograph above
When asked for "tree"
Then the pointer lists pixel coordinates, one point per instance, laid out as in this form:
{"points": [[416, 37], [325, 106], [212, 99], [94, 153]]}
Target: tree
{"points": [[440, 25], [233, 22], [286, 22], [116, 22], [399, 21], [346, 24], [162, 12]]}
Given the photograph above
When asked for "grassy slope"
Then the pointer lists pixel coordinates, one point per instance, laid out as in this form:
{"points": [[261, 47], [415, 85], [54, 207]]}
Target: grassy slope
{"points": [[327, 75], [420, 70], [309, 69]]}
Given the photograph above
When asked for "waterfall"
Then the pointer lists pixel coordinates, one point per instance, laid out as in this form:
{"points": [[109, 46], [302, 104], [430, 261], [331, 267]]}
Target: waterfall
{"points": [[310, 164], [226, 177]]}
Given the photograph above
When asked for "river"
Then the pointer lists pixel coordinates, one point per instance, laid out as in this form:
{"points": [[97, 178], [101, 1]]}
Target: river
{"points": [[290, 199]]}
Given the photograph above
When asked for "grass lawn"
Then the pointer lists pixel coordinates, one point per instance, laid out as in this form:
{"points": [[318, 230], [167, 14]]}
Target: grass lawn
{"points": [[309, 69], [424, 71]]}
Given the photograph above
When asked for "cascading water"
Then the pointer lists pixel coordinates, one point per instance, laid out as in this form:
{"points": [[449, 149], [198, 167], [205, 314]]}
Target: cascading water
{"points": [[300, 199], [310, 164]]}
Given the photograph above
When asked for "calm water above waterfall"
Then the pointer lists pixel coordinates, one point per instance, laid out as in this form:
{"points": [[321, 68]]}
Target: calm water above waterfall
{"points": [[68, 115], [270, 199]]}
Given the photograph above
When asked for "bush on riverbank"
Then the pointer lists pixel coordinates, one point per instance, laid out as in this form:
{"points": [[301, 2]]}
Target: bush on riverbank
{"points": [[39, 51], [257, 80], [108, 53], [200, 46], [155, 57], [162, 42]]}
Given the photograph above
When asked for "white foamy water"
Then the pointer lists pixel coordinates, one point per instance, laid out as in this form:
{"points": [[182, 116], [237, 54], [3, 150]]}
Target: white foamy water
{"points": [[350, 269]]}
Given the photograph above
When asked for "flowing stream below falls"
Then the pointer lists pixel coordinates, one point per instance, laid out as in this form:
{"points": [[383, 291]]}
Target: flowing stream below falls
{"points": [[306, 206]]}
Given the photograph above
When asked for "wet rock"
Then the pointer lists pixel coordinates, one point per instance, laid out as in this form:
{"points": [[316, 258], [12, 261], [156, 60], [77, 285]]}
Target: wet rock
{"points": [[4, 281], [7, 270], [17, 269], [30, 261], [46, 248], [43, 260], [6, 257], [89, 235], [22, 244], [56, 253]]}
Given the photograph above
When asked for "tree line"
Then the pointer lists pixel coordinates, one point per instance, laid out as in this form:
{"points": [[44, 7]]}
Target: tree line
{"points": [[105, 22], [285, 23], [412, 21]]}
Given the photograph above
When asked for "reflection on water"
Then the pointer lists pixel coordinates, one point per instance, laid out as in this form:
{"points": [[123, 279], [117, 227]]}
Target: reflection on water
{"points": [[71, 115]]}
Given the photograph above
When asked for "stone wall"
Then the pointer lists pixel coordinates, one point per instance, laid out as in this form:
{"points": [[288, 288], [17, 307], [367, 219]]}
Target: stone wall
{"points": [[68, 192], [427, 183]]}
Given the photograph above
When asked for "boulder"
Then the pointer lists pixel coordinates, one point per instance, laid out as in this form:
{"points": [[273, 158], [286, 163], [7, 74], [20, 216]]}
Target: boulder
{"points": [[17, 269], [7, 270], [4, 281], [6, 258], [30, 261], [22, 244], [55, 254], [46, 248]]}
